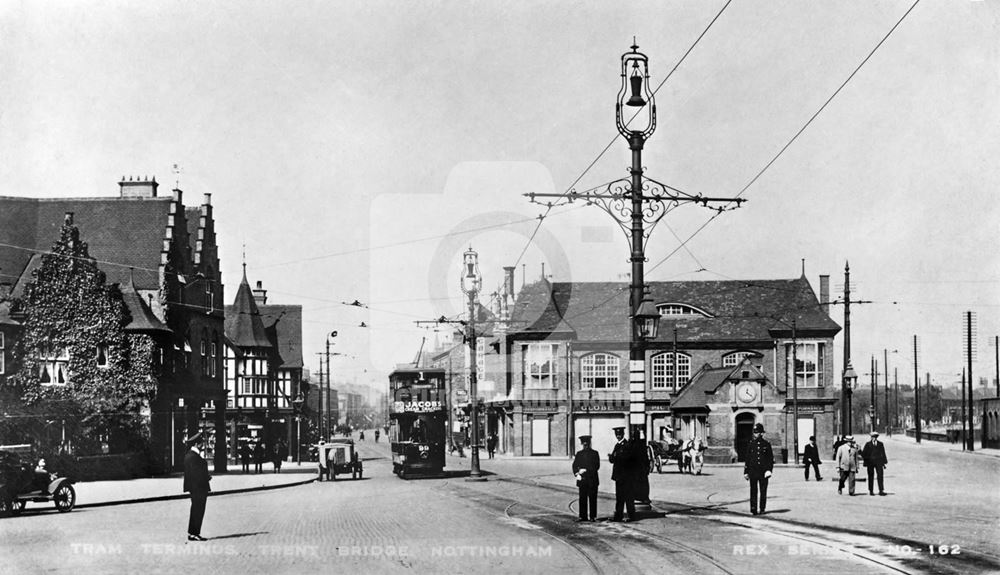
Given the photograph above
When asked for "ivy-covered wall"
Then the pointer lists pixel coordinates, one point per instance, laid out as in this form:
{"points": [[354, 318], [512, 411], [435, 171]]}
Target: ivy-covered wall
{"points": [[72, 318]]}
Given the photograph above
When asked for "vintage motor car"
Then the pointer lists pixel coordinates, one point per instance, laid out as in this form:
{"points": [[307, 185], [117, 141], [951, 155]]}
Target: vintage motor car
{"points": [[21, 482], [341, 457]]}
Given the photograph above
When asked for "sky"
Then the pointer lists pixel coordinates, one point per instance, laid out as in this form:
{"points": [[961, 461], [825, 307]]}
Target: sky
{"points": [[354, 150]]}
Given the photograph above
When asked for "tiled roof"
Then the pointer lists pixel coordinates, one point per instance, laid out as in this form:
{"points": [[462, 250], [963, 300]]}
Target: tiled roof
{"points": [[244, 325], [284, 324], [120, 233], [695, 393], [738, 310], [143, 319]]}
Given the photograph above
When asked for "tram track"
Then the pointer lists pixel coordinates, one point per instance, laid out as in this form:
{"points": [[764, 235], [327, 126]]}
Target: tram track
{"points": [[855, 544]]}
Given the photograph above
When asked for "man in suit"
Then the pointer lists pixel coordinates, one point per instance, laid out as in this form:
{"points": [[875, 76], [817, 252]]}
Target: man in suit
{"points": [[196, 482], [847, 464], [811, 458], [585, 466], [757, 468], [622, 463], [873, 454]]}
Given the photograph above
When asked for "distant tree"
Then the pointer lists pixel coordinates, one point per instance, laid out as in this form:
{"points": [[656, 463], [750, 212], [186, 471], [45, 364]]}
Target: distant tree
{"points": [[77, 364]]}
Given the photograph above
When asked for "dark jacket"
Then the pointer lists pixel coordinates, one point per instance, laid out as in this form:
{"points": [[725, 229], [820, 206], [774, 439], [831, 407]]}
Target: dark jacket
{"points": [[589, 460], [874, 454], [811, 454], [760, 458], [196, 477], [622, 460]]}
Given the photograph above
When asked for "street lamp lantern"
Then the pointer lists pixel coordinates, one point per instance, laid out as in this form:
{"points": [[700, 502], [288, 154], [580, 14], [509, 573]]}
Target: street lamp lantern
{"points": [[635, 93], [647, 320], [849, 384], [472, 280]]}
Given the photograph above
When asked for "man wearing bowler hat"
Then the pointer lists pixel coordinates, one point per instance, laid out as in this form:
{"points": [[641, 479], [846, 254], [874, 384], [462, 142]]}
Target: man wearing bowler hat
{"points": [[196, 482], [621, 458], [873, 454], [585, 466], [757, 468]]}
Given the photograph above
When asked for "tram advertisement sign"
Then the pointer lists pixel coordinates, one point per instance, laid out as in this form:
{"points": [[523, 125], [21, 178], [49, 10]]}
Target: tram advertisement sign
{"points": [[417, 406]]}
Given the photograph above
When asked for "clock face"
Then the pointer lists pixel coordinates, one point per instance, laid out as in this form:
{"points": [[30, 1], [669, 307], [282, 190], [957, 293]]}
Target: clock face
{"points": [[746, 393]]}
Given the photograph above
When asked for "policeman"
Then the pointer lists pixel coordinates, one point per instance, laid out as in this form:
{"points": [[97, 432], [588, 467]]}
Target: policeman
{"points": [[622, 462], [585, 466], [757, 469]]}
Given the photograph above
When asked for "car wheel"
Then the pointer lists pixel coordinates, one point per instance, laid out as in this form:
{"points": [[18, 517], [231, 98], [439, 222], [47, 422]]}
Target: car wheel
{"points": [[6, 505], [17, 506], [64, 498]]}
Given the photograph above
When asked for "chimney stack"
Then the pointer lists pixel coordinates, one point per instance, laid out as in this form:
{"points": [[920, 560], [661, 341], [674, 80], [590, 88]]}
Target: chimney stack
{"points": [[260, 294], [138, 188], [824, 293]]}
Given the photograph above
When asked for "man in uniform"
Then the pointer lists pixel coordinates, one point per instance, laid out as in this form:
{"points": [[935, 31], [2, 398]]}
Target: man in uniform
{"points": [[873, 454], [757, 469], [585, 466], [196, 481], [622, 463]]}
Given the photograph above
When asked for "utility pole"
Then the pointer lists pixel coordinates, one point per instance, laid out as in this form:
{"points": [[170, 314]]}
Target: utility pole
{"points": [[964, 441], [846, 392], [886, 423], [471, 283], [970, 319], [916, 389]]}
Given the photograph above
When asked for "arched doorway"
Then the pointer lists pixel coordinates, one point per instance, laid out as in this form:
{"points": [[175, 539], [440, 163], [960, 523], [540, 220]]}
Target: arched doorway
{"points": [[744, 432]]}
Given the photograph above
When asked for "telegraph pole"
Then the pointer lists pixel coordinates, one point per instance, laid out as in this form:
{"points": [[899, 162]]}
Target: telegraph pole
{"points": [[846, 392]]}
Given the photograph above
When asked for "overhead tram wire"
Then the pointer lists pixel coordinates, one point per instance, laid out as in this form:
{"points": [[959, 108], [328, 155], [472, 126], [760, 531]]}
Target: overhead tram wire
{"points": [[569, 189], [797, 134]]}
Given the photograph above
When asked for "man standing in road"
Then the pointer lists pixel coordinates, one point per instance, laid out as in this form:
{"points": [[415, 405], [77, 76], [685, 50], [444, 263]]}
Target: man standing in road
{"points": [[757, 469], [621, 459], [585, 466], [847, 464], [811, 458], [196, 482], [875, 460]]}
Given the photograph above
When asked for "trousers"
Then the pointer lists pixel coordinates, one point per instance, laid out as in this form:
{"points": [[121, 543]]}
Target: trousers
{"points": [[758, 488], [814, 466], [849, 477], [878, 471], [624, 500], [198, 500], [588, 501]]}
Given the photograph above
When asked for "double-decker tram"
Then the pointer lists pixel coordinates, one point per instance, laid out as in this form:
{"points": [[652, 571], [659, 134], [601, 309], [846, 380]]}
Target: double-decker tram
{"points": [[418, 419]]}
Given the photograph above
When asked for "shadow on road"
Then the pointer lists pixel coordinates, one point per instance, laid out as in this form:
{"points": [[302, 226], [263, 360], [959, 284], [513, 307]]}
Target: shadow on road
{"points": [[239, 535]]}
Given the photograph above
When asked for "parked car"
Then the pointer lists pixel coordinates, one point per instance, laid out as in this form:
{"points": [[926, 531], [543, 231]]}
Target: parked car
{"points": [[21, 482], [341, 457]]}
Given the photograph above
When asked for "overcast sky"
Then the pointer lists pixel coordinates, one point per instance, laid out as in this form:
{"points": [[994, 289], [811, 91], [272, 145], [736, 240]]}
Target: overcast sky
{"points": [[351, 145]]}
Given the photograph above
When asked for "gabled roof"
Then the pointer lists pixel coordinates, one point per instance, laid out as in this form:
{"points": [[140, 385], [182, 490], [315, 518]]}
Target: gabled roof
{"points": [[283, 323], [757, 310], [244, 325], [695, 394], [121, 233]]}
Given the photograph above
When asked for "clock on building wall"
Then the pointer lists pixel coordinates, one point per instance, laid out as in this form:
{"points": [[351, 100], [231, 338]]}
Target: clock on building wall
{"points": [[746, 392]]}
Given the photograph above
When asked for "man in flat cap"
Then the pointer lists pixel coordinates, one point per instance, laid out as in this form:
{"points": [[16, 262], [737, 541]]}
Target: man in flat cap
{"points": [[585, 466], [196, 482], [757, 468], [873, 454], [622, 463]]}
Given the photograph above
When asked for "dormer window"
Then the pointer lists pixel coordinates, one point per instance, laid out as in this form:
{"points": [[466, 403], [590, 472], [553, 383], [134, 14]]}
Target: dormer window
{"points": [[679, 310], [737, 357]]}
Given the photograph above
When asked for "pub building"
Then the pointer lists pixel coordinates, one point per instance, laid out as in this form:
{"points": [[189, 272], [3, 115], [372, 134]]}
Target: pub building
{"points": [[721, 362]]}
